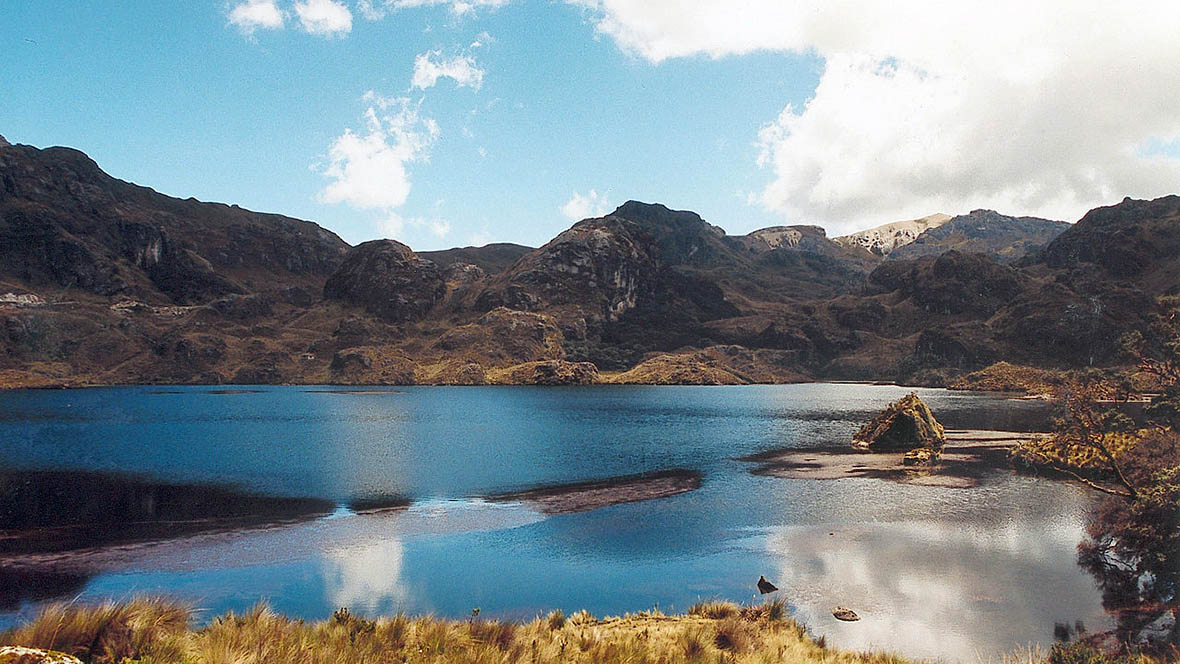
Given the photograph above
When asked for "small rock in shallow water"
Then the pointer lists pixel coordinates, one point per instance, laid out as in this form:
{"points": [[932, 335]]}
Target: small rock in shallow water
{"points": [[847, 615]]}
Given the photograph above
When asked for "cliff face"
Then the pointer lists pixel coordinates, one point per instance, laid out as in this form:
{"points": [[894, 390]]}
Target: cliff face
{"points": [[102, 281]]}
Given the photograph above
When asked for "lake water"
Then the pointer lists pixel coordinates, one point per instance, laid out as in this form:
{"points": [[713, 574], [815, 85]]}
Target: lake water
{"points": [[951, 573]]}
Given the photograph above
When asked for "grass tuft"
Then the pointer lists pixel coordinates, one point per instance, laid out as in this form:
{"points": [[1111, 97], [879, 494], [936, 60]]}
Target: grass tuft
{"points": [[556, 620], [714, 610]]}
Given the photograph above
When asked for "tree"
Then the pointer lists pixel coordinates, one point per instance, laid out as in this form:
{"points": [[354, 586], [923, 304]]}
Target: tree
{"points": [[1133, 545]]}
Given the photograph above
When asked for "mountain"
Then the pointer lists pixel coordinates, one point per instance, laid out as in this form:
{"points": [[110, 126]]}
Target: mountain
{"points": [[1007, 239], [1135, 242], [65, 223], [103, 281], [881, 240], [491, 258]]}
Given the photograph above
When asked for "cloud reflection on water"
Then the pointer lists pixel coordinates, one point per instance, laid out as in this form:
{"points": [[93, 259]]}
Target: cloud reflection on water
{"points": [[366, 578], [936, 589]]}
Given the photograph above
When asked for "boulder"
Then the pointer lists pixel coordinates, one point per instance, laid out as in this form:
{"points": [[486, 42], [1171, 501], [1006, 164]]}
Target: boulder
{"points": [[905, 424], [921, 456]]}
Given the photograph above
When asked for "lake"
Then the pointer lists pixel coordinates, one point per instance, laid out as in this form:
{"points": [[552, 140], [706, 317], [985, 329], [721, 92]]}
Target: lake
{"points": [[939, 572]]}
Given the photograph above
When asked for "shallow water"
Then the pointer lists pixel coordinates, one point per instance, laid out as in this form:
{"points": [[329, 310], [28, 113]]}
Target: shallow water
{"points": [[962, 574]]}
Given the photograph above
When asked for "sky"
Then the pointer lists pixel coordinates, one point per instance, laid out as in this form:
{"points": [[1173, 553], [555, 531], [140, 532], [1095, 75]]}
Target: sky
{"points": [[447, 123]]}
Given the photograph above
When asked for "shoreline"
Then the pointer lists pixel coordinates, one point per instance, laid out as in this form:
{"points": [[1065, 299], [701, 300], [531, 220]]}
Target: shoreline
{"points": [[968, 457]]}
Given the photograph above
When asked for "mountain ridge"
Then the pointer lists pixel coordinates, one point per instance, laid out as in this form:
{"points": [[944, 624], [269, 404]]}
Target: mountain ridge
{"points": [[103, 281]]}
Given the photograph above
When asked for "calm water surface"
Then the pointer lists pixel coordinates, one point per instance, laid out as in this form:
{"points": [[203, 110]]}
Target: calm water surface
{"points": [[960, 574]]}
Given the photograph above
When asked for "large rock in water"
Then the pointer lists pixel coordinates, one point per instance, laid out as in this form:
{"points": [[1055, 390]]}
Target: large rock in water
{"points": [[904, 425], [388, 280]]}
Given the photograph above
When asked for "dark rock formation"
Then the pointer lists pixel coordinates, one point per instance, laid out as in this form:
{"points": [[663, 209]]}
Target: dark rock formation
{"points": [[1136, 241], [952, 283], [904, 425], [387, 280], [765, 586]]}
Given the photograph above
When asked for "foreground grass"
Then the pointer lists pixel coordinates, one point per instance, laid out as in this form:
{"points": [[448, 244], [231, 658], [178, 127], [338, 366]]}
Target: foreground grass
{"points": [[150, 631]]}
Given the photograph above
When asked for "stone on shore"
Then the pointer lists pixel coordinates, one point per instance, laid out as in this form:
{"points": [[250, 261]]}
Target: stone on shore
{"points": [[904, 425]]}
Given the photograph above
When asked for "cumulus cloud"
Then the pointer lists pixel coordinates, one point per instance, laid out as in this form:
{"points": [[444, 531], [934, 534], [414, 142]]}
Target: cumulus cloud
{"points": [[255, 14], [1046, 108], [326, 18], [368, 169], [431, 66], [590, 205]]}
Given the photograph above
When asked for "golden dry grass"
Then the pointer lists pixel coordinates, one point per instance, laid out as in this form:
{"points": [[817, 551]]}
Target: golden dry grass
{"points": [[152, 631], [156, 632]]}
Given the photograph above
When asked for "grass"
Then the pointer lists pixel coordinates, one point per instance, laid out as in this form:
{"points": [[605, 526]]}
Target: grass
{"points": [[150, 631]]}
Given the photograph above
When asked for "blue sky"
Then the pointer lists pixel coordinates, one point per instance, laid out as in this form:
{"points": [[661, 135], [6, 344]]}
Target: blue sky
{"points": [[751, 118]]}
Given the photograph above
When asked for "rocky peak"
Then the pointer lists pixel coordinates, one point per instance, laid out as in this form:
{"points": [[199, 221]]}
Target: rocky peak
{"points": [[4, 142], [1135, 239], [388, 280], [882, 240]]}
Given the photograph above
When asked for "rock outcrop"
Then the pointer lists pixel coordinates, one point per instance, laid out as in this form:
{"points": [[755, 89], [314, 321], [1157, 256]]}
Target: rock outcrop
{"points": [[549, 372], [882, 240], [904, 425], [388, 280], [371, 365]]}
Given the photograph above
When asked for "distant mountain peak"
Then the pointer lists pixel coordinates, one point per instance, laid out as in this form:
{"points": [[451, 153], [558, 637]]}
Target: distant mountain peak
{"points": [[4, 142], [882, 240]]}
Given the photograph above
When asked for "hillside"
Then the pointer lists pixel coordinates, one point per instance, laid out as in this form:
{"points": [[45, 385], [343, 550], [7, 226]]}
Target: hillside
{"points": [[103, 281], [1007, 239]]}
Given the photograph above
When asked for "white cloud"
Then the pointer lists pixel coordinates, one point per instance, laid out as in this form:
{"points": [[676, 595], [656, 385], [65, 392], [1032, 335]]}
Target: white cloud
{"points": [[369, 169], [393, 225], [370, 11], [1031, 108], [254, 14], [584, 207], [457, 7], [327, 18], [460, 68]]}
